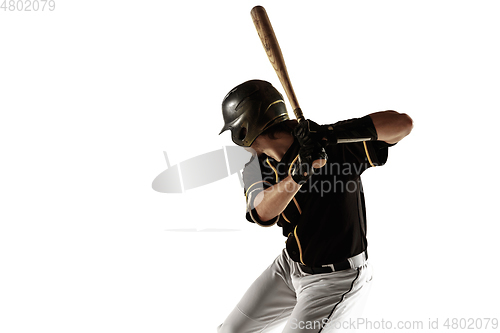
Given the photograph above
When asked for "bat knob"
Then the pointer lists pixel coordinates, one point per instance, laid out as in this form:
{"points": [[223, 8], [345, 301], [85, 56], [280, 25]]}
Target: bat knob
{"points": [[317, 164]]}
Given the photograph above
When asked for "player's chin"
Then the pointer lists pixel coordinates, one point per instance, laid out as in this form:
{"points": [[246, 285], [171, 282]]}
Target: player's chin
{"points": [[255, 148], [252, 151]]}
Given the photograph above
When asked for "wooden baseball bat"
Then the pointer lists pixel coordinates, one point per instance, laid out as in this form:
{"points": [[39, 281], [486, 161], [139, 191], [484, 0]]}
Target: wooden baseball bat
{"points": [[273, 51], [275, 56]]}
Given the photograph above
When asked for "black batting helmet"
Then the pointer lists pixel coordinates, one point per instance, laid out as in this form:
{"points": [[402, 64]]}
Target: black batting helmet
{"points": [[250, 108]]}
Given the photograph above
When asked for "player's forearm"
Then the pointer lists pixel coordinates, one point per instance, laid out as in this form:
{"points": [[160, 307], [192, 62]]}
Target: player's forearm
{"points": [[273, 201], [391, 126]]}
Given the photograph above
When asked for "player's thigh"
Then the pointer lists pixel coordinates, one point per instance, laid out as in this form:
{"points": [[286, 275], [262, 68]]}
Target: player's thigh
{"points": [[326, 298], [350, 309], [267, 302], [238, 322]]}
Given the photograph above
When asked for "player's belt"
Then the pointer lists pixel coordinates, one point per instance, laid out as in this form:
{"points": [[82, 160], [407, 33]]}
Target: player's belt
{"points": [[353, 262]]}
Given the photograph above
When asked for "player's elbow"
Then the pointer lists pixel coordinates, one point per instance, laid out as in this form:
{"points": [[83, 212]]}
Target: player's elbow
{"points": [[392, 126], [263, 215], [404, 124]]}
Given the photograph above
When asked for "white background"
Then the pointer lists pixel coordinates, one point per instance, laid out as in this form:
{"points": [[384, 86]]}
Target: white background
{"points": [[92, 93]]}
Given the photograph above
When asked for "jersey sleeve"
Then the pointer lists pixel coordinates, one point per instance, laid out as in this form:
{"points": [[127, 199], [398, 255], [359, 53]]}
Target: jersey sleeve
{"points": [[256, 180], [366, 154]]}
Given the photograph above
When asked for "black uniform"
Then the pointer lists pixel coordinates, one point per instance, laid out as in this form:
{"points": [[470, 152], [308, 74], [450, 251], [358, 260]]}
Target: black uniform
{"points": [[325, 222]]}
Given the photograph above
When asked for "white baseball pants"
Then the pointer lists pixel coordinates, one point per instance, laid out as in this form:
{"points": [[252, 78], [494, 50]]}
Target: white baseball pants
{"points": [[319, 303]]}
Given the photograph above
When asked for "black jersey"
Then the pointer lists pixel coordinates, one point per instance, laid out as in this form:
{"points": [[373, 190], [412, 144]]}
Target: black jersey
{"points": [[326, 220]]}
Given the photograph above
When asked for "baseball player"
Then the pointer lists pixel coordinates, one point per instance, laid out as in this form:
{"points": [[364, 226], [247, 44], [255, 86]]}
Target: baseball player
{"points": [[323, 271]]}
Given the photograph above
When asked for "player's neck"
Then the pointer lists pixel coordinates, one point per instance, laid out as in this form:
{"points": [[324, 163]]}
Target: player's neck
{"points": [[278, 147]]}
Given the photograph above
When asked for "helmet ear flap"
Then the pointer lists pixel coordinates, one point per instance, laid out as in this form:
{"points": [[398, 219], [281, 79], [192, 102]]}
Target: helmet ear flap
{"points": [[242, 133]]}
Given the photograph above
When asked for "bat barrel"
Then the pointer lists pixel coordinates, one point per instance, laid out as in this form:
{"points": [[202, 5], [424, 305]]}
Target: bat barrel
{"points": [[274, 54]]}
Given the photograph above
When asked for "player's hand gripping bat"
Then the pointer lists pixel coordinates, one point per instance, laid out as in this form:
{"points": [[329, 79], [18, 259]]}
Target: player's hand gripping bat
{"points": [[273, 51]]}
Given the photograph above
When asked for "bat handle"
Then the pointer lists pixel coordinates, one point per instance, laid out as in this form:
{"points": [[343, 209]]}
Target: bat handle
{"points": [[319, 163], [299, 115]]}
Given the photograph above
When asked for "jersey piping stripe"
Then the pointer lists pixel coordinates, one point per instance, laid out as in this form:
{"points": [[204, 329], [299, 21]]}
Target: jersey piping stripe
{"points": [[274, 169], [251, 215], [291, 164], [257, 222], [283, 214], [289, 171], [262, 181], [298, 208], [298, 243], [342, 298], [264, 225], [368, 155], [297, 204]]}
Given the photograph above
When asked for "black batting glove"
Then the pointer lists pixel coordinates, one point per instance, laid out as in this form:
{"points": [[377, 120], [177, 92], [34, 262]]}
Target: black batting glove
{"points": [[308, 130], [310, 150], [302, 169]]}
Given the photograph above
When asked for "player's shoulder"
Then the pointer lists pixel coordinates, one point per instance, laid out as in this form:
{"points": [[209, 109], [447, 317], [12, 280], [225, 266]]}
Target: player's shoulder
{"points": [[254, 165], [253, 172]]}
